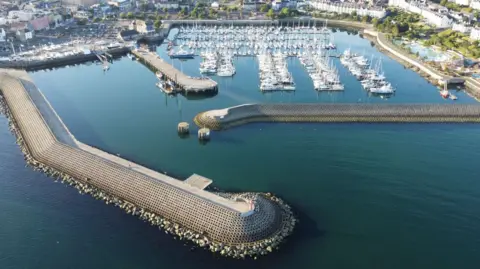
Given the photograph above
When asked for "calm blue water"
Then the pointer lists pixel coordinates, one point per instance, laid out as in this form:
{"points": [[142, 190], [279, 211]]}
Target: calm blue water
{"points": [[367, 195]]}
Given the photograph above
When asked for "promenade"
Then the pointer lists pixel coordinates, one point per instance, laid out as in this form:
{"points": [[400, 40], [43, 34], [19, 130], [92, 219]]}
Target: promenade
{"points": [[187, 83]]}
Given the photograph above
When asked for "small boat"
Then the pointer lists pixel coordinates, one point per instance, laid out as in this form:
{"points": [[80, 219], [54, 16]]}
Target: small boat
{"points": [[444, 93], [159, 75], [453, 97]]}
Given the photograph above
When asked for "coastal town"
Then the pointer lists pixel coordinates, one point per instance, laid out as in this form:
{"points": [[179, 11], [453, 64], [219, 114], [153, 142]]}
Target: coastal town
{"points": [[441, 37], [134, 67]]}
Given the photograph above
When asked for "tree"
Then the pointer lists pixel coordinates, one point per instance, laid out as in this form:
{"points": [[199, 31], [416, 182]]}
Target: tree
{"points": [[395, 30], [130, 15], [144, 6], [285, 12], [264, 8], [366, 19], [354, 13], [151, 17], [97, 19], [270, 14], [123, 15], [443, 2], [157, 24], [164, 10]]}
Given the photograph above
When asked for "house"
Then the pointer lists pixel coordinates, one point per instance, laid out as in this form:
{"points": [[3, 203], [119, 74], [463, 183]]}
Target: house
{"points": [[461, 27], [167, 5], [475, 34], [24, 35], [126, 35], [475, 4], [121, 4], [143, 27], [14, 27], [40, 23], [348, 8], [432, 17], [461, 2], [21, 15]]}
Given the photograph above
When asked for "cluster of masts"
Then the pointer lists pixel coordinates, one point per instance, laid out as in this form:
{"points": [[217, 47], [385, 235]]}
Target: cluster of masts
{"points": [[369, 73], [323, 72], [220, 64], [274, 75], [256, 40]]}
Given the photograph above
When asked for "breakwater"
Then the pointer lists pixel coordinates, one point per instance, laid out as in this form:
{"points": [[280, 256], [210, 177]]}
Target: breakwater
{"points": [[63, 61], [186, 83], [367, 113], [236, 225]]}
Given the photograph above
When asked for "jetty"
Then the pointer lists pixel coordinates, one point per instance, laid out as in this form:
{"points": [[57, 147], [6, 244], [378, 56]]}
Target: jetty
{"points": [[186, 83], [236, 225], [366, 113]]}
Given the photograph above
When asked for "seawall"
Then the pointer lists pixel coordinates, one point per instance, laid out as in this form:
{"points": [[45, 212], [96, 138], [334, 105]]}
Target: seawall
{"points": [[236, 225], [366, 113]]}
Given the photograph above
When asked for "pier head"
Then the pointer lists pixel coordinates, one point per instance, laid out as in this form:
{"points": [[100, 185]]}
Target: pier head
{"points": [[366, 113], [236, 225]]}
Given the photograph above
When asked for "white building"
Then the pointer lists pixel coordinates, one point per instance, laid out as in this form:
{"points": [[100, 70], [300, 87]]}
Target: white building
{"points": [[432, 17], [462, 28], [461, 2], [21, 15], [347, 8], [167, 5], [475, 34], [3, 35], [475, 4]]}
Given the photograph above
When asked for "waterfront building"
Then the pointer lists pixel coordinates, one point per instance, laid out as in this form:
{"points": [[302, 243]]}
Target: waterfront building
{"points": [[432, 17], [475, 34], [3, 35], [348, 8]]}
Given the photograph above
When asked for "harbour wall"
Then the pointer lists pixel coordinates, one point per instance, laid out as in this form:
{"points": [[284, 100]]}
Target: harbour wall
{"points": [[58, 62], [366, 113], [237, 225]]}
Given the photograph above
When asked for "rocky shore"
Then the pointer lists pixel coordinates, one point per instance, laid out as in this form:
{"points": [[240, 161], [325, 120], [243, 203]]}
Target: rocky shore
{"points": [[238, 251]]}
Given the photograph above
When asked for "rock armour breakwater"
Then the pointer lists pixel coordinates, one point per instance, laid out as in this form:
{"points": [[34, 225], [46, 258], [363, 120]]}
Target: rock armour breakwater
{"points": [[367, 113], [219, 222]]}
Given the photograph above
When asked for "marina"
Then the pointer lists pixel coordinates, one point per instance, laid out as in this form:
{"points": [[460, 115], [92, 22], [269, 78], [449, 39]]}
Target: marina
{"points": [[354, 173]]}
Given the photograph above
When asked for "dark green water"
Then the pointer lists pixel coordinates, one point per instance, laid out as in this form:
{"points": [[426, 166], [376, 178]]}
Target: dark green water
{"points": [[368, 196]]}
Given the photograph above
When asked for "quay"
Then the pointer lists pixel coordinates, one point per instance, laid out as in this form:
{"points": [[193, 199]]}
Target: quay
{"points": [[366, 113], [63, 61], [236, 225], [186, 83]]}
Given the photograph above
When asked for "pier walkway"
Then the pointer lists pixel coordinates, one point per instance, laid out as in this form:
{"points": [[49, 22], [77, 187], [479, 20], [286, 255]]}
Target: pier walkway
{"points": [[368, 113], [222, 219], [187, 83]]}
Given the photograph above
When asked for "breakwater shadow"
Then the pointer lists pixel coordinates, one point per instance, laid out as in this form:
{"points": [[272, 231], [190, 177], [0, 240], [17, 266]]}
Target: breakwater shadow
{"points": [[199, 96]]}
